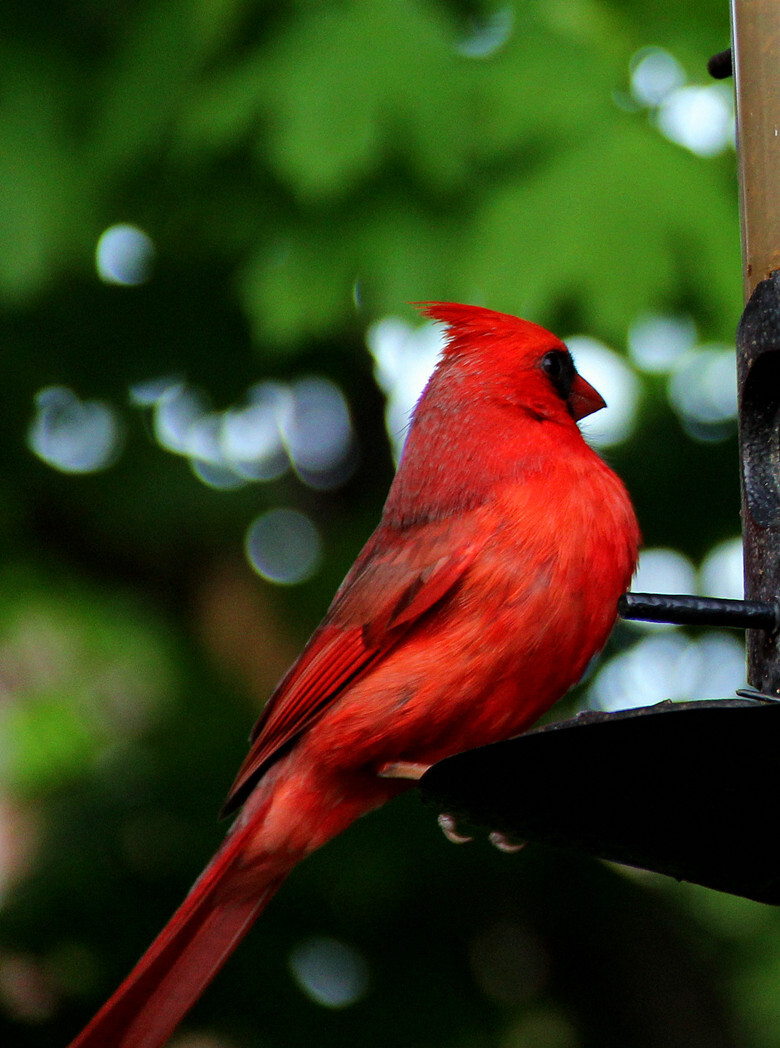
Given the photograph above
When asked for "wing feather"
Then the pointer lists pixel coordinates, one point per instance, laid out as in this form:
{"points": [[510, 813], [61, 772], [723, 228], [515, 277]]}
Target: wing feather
{"points": [[394, 582]]}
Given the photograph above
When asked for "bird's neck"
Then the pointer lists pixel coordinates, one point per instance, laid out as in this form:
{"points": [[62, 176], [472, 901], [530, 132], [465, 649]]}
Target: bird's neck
{"points": [[454, 461]]}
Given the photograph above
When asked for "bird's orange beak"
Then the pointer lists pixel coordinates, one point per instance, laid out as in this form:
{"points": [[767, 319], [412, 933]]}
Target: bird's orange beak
{"points": [[583, 399]]}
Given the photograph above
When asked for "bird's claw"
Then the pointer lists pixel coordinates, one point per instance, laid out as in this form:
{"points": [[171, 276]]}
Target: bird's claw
{"points": [[449, 827], [505, 843]]}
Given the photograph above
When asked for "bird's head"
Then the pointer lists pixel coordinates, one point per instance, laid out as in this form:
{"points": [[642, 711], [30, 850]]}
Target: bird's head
{"points": [[513, 360]]}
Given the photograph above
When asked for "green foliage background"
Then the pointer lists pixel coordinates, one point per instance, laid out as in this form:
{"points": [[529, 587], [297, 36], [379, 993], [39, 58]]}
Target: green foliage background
{"points": [[303, 170]]}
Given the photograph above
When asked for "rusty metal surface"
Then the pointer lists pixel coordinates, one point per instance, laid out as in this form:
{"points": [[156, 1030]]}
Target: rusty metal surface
{"points": [[758, 365]]}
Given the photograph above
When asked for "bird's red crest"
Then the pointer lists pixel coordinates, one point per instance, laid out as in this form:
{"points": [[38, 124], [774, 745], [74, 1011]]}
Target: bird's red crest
{"points": [[466, 323]]}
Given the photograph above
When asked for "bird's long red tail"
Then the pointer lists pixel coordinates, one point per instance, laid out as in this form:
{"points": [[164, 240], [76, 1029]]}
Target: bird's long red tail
{"points": [[183, 959]]}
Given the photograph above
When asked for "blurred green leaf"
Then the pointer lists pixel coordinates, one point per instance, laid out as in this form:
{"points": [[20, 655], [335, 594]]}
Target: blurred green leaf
{"points": [[82, 674], [608, 226]]}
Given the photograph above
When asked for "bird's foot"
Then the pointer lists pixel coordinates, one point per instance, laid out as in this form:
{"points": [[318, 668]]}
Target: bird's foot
{"points": [[402, 770], [449, 827], [505, 843]]}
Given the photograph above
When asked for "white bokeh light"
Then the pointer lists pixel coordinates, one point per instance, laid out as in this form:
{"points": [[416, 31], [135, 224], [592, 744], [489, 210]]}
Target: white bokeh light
{"points": [[404, 358], [176, 412], [672, 666], [305, 424], [655, 73], [702, 390], [616, 382], [329, 972], [74, 435], [283, 546], [203, 438], [723, 666], [656, 343], [721, 572], [215, 475], [663, 571], [667, 663], [124, 255], [317, 430], [251, 438], [489, 34], [146, 394], [699, 118]]}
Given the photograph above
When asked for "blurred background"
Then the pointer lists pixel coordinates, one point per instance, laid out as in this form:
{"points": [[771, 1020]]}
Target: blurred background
{"points": [[213, 217]]}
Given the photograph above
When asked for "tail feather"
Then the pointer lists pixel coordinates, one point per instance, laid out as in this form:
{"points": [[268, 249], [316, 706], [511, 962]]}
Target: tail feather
{"points": [[181, 962]]}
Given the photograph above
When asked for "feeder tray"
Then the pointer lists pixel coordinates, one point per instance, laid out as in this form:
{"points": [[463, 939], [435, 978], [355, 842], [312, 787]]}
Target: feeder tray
{"points": [[684, 789]]}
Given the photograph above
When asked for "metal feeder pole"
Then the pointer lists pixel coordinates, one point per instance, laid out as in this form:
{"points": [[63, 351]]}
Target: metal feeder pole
{"points": [[755, 34], [756, 58]]}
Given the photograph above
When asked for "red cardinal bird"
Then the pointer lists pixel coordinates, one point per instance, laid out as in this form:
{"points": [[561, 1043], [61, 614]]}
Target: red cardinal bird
{"points": [[490, 582]]}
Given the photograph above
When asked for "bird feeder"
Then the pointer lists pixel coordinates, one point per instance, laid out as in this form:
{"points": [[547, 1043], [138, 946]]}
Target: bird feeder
{"points": [[684, 789]]}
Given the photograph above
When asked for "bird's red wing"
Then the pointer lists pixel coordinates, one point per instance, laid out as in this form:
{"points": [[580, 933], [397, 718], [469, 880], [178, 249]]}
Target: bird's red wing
{"points": [[385, 593]]}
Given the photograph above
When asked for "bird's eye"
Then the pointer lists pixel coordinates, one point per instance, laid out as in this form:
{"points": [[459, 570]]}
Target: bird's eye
{"points": [[559, 368]]}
